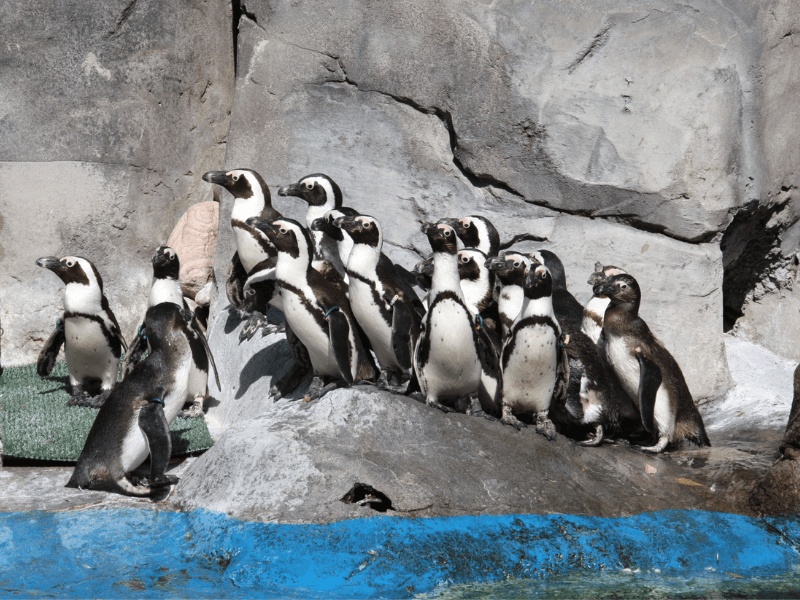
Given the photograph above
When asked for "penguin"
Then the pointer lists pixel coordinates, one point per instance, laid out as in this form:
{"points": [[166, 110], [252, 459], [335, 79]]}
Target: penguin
{"points": [[423, 274], [89, 331], [383, 304], [166, 288], [532, 356], [317, 309], [595, 309], [325, 225], [509, 269], [451, 356], [476, 232], [251, 199], [322, 194], [646, 370], [126, 428], [567, 309]]}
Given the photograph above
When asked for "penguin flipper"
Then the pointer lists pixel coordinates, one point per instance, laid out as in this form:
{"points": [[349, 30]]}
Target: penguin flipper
{"points": [[234, 283], [49, 354], [153, 423], [402, 324], [562, 374], [339, 338], [649, 382]]}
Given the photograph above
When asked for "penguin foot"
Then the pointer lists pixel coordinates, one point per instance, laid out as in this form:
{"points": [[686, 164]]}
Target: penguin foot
{"points": [[595, 440], [288, 382], [255, 322], [318, 389], [439, 405], [84, 399], [509, 419], [545, 426], [658, 448], [159, 482], [273, 328], [476, 410], [194, 411]]}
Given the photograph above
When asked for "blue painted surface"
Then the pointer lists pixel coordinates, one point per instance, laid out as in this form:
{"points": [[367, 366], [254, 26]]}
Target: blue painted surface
{"points": [[151, 554]]}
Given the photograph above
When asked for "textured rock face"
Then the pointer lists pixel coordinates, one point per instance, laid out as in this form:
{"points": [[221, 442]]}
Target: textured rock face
{"points": [[109, 114], [195, 240]]}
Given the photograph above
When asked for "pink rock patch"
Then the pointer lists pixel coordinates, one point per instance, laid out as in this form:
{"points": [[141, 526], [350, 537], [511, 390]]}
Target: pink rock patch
{"points": [[195, 240]]}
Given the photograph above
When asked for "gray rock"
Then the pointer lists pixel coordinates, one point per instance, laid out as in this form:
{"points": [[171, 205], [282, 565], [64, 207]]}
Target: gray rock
{"points": [[109, 113]]}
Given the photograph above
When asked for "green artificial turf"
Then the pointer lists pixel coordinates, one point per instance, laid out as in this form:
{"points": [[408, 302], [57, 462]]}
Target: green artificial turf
{"points": [[36, 423]]}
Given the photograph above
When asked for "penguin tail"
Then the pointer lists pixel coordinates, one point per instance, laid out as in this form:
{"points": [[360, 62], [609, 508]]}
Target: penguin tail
{"points": [[695, 432]]}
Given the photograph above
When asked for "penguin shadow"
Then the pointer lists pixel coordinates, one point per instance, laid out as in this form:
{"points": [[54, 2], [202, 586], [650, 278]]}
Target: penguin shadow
{"points": [[233, 320], [64, 387], [180, 445], [273, 361]]}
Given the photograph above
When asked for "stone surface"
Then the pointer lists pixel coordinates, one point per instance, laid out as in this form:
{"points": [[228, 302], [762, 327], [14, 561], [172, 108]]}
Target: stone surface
{"points": [[195, 240], [109, 114]]}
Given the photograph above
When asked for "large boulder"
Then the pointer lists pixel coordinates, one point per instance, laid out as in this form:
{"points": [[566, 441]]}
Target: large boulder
{"points": [[110, 112]]}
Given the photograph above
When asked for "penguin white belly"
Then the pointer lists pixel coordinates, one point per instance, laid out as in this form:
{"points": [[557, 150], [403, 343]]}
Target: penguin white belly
{"points": [[88, 353], [529, 375], [198, 382], [314, 338], [453, 369], [509, 304], [596, 306], [165, 290], [250, 251], [134, 445], [368, 315], [663, 413]]}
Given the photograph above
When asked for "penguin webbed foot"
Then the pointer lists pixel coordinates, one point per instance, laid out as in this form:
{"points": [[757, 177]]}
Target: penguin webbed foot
{"points": [[318, 388], [81, 397], [436, 404], [159, 482], [595, 440], [546, 427], [288, 382], [509, 419], [384, 383], [195, 411], [658, 448], [476, 410], [257, 322]]}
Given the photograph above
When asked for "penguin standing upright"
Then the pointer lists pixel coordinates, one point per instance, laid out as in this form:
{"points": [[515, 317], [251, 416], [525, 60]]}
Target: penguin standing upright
{"points": [[449, 356], [167, 288], [322, 194], [385, 306], [567, 309], [509, 269], [127, 429], [595, 309], [89, 331], [325, 225], [317, 309], [532, 354], [647, 371]]}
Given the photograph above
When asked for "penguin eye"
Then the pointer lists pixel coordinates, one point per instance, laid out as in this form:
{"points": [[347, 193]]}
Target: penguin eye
{"points": [[465, 259], [310, 185], [367, 224], [517, 264], [235, 177], [446, 233], [70, 263], [624, 286], [249, 292], [467, 224], [282, 231]]}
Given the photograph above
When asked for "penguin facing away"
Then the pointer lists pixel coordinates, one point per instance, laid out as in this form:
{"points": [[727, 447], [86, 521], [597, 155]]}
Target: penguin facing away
{"points": [[595, 309], [126, 428], [532, 356], [92, 339], [646, 370], [450, 354], [385, 306], [318, 311], [568, 310]]}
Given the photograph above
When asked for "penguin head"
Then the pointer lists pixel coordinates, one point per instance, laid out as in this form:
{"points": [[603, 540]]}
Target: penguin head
{"points": [[165, 325], [325, 224], [260, 287], [241, 183], [538, 282], [363, 229], [317, 190], [477, 232], [554, 265], [471, 264], [442, 237], [602, 273], [287, 235], [166, 264], [423, 273], [510, 267], [620, 289], [72, 269]]}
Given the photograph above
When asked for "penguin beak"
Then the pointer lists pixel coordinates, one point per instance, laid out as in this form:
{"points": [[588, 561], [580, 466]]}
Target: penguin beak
{"points": [[293, 189], [603, 289], [496, 263], [218, 177], [317, 224], [263, 225], [159, 259], [51, 262], [347, 223], [424, 267]]}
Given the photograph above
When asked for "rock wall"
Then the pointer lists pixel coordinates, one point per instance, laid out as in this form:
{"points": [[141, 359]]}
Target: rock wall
{"points": [[109, 113]]}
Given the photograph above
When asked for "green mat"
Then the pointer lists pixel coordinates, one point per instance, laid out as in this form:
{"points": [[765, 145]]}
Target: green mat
{"points": [[36, 423]]}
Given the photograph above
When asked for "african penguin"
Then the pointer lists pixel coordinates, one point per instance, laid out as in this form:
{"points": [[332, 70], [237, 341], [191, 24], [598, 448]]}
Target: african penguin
{"points": [[647, 371], [325, 225], [126, 428], [592, 323], [93, 342], [449, 354], [322, 194], [385, 306], [317, 309], [476, 232], [509, 269], [531, 355], [568, 310], [166, 287]]}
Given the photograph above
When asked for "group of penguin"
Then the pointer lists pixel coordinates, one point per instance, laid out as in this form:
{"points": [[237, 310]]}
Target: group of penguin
{"points": [[496, 334]]}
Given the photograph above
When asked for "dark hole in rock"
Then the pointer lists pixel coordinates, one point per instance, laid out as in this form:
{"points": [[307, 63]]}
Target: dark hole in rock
{"points": [[362, 494]]}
